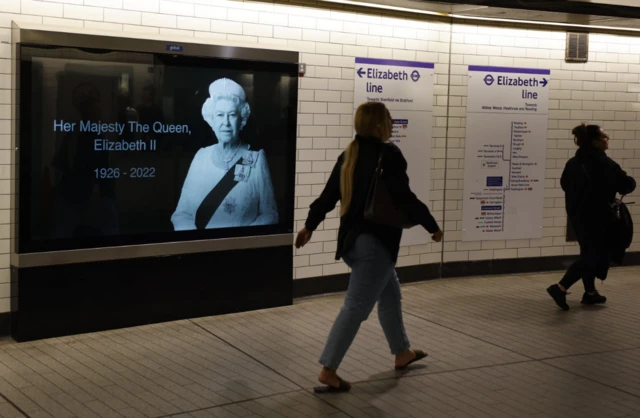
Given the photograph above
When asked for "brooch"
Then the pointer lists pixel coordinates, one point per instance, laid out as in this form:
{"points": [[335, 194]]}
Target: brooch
{"points": [[229, 205], [242, 172], [249, 158]]}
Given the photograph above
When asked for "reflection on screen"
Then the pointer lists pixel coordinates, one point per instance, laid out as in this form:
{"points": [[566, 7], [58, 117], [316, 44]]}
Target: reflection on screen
{"points": [[123, 148]]}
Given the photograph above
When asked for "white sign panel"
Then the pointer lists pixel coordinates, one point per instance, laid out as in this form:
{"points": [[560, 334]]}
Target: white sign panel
{"points": [[505, 152], [406, 88]]}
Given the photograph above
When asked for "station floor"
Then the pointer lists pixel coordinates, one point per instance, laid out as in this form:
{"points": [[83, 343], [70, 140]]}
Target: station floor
{"points": [[498, 347]]}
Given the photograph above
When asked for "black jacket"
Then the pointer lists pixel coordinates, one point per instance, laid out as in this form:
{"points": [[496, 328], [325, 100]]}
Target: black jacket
{"points": [[396, 180], [591, 181]]}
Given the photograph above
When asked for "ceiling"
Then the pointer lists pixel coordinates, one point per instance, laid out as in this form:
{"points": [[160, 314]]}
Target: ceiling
{"points": [[620, 14]]}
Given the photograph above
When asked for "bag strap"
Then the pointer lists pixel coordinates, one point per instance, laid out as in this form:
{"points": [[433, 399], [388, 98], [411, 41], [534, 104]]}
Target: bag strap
{"points": [[216, 196], [379, 168]]}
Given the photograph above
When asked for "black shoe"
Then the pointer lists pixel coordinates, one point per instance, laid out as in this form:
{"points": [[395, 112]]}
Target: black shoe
{"points": [[558, 296], [594, 299]]}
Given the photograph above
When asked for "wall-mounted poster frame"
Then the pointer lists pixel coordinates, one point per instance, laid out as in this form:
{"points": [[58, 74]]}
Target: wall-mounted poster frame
{"points": [[62, 290]]}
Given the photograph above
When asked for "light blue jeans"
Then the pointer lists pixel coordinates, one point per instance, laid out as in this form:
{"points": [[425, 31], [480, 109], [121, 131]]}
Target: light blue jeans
{"points": [[373, 279]]}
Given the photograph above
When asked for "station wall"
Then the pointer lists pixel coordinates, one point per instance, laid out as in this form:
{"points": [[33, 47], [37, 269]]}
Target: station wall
{"points": [[605, 90]]}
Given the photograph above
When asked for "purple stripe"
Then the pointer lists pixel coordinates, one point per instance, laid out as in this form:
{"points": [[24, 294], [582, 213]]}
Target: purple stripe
{"points": [[508, 70], [413, 64]]}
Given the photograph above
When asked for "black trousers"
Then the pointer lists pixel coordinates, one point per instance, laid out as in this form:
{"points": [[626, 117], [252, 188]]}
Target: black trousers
{"points": [[579, 270], [593, 262]]}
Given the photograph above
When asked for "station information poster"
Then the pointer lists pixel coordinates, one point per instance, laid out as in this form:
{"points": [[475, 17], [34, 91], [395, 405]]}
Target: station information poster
{"points": [[406, 88], [507, 119]]}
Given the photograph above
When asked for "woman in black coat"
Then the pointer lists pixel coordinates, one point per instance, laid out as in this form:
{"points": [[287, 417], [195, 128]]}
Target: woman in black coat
{"points": [[590, 181], [369, 249]]}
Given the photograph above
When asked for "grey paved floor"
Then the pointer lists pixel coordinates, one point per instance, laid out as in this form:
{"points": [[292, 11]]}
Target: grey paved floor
{"points": [[498, 348]]}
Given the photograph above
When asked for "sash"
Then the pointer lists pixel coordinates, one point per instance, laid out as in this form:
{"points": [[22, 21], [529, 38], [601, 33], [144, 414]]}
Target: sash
{"points": [[216, 196]]}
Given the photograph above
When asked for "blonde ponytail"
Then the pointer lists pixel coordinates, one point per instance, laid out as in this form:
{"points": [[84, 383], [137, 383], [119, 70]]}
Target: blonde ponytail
{"points": [[372, 119], [346, 176]]}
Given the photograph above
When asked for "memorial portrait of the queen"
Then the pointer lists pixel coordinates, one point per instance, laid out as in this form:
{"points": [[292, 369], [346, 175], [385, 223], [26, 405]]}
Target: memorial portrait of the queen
{"points": [[228, 184]]}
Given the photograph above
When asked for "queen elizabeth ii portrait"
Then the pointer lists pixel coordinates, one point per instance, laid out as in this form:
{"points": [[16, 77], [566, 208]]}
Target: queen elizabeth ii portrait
{"points": [[228, 184]]}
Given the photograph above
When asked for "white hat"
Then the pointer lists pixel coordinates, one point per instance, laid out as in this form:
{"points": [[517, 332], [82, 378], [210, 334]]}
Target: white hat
{"points": [[224, 86]]}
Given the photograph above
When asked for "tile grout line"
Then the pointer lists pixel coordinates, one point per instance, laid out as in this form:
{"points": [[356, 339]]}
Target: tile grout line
{"points": [[446, 148], [222, 405], [617, 350], [468, 335], [268, 367], [17, 408], [591, 379], [246, 354], [465, 369]]}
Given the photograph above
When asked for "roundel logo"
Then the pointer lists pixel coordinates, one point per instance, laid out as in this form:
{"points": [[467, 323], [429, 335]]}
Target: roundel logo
{"points": [[415, 76], [488, 80]]}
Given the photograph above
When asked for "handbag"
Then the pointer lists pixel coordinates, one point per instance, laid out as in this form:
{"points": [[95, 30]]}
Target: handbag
{"points": [[379, 207], [622, 226], [619, 227]]}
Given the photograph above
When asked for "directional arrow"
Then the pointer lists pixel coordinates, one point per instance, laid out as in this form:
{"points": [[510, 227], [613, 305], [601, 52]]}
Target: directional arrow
{"points": [[361, 72], [544, 82]]}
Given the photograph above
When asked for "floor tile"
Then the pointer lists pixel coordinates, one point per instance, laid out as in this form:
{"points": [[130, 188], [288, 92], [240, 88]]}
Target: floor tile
{"points": [[498, 347]]}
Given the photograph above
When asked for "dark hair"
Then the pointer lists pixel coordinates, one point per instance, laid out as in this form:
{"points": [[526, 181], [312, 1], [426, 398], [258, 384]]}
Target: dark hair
{"points": [[585, 135]]}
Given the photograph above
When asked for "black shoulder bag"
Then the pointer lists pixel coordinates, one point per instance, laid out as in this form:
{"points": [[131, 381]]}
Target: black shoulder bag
{"points": [[620, 227], [379, 208]]}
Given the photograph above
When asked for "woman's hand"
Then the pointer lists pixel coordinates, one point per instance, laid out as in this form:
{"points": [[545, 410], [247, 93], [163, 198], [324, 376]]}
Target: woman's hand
{"points": [[437, 237], [303, 237]]}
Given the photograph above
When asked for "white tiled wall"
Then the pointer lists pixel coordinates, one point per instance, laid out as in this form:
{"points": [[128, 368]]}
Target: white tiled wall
{"points": [[605, 90]]}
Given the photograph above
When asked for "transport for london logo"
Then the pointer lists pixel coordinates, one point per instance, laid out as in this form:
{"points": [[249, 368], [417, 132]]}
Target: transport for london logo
{"points": [[415, 76], [488, 80]]}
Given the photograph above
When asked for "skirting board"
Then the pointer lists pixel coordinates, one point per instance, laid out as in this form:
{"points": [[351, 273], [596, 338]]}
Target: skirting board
{"points": [[338, 283], [5, 324]]}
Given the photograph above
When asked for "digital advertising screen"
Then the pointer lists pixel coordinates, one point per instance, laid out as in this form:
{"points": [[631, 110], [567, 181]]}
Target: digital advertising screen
{"points": [[128, 148]]}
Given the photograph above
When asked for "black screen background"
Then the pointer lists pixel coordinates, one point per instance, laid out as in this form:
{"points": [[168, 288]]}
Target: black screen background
{"points": [[50, 80]]}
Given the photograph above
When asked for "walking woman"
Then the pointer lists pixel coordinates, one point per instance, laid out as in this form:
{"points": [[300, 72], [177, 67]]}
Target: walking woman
{"points": [[590, 181], [370, 250]]}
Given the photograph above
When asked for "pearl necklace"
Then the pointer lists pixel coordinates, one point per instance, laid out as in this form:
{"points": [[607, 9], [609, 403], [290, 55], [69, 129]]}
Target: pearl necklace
{"points": [[226, 160]]}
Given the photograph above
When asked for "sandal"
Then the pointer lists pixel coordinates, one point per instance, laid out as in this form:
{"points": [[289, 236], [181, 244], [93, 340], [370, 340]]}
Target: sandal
{"points": [[419, 356], [343, 386]]}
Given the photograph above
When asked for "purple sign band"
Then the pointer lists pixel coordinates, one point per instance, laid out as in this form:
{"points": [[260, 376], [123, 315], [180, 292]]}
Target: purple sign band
{"points": [[508, 70], [413, 64]]}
